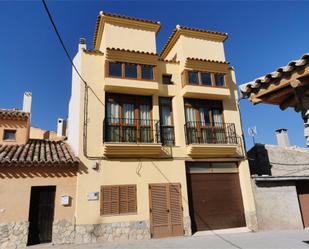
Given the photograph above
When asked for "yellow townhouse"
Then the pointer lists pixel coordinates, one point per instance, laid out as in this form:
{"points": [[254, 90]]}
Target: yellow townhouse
{"points": [[158, 135]]}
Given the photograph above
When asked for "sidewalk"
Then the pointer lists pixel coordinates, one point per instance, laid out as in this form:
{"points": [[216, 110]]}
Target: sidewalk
{"points": [[259, 240]]}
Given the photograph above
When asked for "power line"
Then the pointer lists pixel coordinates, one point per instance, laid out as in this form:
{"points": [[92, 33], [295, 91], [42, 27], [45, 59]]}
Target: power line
{"points": [[66, 51]]}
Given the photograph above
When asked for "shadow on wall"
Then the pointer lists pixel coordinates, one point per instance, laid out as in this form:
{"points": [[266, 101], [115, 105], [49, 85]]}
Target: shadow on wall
{"points": [[47, 171], [259, 161]]}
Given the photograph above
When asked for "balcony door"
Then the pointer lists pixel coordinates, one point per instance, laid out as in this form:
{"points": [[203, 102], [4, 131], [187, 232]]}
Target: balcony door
{"points": [[128, 119], [204, 121]]}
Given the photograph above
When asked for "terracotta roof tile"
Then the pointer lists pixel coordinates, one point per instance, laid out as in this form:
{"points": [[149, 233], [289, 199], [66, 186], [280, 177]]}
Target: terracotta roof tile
{"points": [[13, 114], [266, 80], [131, 51], [198, 59], [37, 152], [129, 18]]}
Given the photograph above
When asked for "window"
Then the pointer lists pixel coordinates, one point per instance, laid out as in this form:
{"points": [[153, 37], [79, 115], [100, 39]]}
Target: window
{"points": [[9, 135], [206, 79], [219, 79], [130, 70], [118, 199], [115, 69], [204, 121], [128, 118], [193, 77], [167, 79], [166, 121], [147, 72]]}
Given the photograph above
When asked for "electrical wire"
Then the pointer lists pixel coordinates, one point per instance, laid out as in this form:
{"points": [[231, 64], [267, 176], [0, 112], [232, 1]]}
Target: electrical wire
{"points": [[66, 51]]}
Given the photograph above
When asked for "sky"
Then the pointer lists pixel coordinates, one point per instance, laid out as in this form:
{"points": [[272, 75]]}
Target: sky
{"points": [[263, 35]]}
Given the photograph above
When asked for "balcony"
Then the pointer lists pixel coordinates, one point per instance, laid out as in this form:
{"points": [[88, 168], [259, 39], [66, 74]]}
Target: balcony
{"points": [[211, 139], [135, 137]]}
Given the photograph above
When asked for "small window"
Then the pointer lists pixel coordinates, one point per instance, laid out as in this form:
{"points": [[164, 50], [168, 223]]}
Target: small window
{"points": [[167, 79], [206, 79], [115, 69], [130, 70], [147, 72], [193, 77], [219, 79], [9, 135], [118, 199]]}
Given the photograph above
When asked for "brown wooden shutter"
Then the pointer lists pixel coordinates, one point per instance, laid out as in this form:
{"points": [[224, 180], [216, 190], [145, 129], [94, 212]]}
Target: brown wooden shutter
{"points": [[175, 209], [159, 210], [132, 200], [165, 210], [118, 199]]}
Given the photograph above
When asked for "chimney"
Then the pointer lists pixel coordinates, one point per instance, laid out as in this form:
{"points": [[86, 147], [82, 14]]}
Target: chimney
{"points": [[82, 44], [27, 102], [282, 137], [61, 127]]}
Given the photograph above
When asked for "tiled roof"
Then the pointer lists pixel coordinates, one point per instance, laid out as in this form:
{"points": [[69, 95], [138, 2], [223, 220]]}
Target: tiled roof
{"points": [[131, 51], [279, 73], [179, 27], [13, 114], [118, 16], [128, 17], [197, 59], [37, 152], [93, 51]]}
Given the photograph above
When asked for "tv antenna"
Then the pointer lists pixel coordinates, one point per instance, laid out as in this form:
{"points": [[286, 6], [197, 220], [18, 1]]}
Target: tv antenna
{"points": [[252, 133]]}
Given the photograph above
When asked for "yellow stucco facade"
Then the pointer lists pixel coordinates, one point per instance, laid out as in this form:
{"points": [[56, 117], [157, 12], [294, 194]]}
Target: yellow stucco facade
{"points": [[105, 163]]}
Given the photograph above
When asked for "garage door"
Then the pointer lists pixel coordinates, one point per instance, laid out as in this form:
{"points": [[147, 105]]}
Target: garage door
{"points": [[303, 197], [215, 201]]}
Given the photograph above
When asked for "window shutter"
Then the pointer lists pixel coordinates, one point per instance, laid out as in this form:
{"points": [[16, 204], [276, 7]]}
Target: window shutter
{"points": [[175, 205], [118, 199]]}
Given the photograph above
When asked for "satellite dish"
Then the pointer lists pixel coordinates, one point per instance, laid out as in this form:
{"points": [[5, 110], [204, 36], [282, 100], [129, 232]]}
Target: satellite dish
{"points": [[252, 131]]}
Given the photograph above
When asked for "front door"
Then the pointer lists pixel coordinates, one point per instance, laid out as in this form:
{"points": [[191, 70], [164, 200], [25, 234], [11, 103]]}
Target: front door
{"points": [[166, 216], [41, 214]]}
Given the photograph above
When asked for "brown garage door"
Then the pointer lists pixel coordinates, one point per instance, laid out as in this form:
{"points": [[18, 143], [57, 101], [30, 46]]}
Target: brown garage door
{"points": [[303, 197], [215, 201], [165, 210]]}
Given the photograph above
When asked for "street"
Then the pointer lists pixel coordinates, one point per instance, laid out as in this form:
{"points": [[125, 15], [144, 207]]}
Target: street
{"points": [[270, 240]]}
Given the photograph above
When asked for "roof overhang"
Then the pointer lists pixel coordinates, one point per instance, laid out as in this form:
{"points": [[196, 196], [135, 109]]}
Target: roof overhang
{"points": [[278, 87], [279, 178]]}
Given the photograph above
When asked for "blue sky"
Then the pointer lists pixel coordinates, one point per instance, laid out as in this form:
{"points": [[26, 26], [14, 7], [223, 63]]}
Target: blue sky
{"points": [[263, 35]]}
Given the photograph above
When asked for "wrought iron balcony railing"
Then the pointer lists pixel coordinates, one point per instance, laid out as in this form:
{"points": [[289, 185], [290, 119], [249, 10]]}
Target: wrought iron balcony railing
{"points": [[124, 130], [210, 133]]}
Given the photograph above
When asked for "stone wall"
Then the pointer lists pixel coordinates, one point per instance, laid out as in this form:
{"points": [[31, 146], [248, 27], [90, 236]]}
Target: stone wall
{"points": [[277, 205], [63, 232], [13, 235], [131, 230]]}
